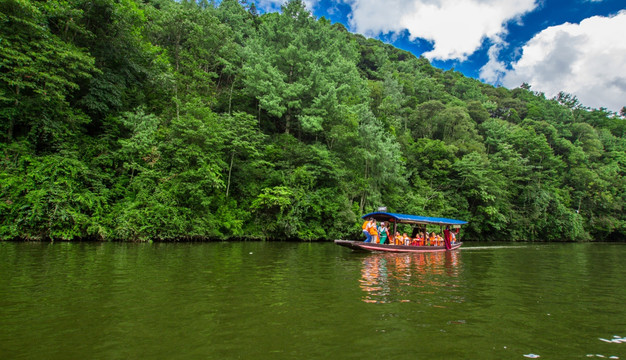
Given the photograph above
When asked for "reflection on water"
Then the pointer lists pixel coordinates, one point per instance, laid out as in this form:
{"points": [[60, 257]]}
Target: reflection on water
{"points": [[386, 277]]}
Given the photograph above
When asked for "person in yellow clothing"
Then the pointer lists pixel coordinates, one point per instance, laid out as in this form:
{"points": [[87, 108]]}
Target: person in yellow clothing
{"points": [[397, 239], [432, 239], [373, 232], [366, 228]]}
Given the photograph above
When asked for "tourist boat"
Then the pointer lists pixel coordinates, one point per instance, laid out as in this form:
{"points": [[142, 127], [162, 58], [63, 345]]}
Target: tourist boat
{"points": [[416, 221]]}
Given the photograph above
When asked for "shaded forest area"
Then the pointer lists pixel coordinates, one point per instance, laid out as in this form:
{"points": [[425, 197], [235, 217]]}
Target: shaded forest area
{"points": [[164, 120]]}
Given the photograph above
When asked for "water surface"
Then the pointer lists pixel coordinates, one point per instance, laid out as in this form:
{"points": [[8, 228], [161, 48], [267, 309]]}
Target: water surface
{"points": [[309, 301]]}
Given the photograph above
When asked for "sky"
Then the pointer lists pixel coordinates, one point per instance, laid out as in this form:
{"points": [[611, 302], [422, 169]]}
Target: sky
{"points": [[575, 46]]}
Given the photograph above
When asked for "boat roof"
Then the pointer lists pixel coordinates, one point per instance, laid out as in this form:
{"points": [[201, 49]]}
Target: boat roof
{"points": [[412, 219]]}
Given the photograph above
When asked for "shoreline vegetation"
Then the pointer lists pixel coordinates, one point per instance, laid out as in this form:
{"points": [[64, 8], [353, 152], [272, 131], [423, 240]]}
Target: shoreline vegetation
{"points": [[163, 119], [186, 240]]}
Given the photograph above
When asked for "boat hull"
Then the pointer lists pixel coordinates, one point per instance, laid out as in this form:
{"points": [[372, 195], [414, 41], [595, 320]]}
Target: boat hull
{"points": [[363, 246]]}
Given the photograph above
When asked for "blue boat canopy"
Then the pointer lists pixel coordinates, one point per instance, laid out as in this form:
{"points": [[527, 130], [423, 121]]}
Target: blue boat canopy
{"points": [[412, 219]]}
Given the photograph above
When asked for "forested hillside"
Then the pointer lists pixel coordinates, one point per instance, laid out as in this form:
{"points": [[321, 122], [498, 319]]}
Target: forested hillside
{"points": [[157, 119]]}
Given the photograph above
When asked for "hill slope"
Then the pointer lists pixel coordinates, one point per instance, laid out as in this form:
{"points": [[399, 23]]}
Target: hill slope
{"points": [[167, 120]]}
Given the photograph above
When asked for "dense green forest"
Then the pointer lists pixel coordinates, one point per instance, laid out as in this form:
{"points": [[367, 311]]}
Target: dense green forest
{"points": [[157, 119]]}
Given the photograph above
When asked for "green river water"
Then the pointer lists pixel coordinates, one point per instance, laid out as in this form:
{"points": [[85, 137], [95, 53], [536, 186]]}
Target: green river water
{"points": [[310, 301]]}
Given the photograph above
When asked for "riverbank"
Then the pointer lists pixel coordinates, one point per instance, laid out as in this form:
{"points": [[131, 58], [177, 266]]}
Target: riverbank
{"points": [[202, 239]]}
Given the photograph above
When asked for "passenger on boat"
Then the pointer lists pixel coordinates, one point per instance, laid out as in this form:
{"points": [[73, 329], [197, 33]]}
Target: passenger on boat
{"points": [[447, 239], [397, 238], [366, 229], [383, 233], [432, 239], [373, 232], [406, 240]]}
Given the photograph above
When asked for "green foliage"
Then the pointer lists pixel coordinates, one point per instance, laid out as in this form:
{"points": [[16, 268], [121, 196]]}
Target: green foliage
{"points": [[40, 71], [190, 120], [50, 197], [300, 71]]}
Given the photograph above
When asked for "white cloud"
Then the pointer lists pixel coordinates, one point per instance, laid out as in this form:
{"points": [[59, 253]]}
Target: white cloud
{"points": [[456, 28], [586, 59], [494, 69]]}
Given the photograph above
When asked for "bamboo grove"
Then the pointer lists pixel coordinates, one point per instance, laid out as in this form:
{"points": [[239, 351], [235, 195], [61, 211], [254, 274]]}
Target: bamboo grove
{"points": [[176, 120]]}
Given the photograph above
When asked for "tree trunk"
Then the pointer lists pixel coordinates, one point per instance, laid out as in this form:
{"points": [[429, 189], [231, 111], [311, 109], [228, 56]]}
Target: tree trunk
{"points": [[232, 157], [364, 193], [230, 96], [176, 84], [12, 121], [177, 103], [288, 115], [10, 131]]}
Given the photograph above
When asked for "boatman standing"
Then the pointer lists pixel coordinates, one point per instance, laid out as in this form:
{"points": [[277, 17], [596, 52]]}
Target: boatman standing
{"points": [[446, 237], [366, 229], [373, 232]]}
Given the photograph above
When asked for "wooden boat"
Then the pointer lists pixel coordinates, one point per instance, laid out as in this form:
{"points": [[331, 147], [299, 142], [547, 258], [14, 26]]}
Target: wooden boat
{"points": [[395, 219], [360, 245]]}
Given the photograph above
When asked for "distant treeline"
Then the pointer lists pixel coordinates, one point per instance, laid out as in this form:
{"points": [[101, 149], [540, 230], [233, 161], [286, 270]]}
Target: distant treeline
{"points": [[149, 120]]}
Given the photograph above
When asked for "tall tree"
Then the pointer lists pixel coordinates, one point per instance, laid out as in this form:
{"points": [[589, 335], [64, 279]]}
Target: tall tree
{"points": [[299, 69]]}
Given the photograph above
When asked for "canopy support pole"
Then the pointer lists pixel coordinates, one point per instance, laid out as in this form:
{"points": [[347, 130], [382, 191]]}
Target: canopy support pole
{"points": [[395, 227]]}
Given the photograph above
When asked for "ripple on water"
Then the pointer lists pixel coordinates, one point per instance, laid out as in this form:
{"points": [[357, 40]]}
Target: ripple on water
{"points": [[289, 300]]}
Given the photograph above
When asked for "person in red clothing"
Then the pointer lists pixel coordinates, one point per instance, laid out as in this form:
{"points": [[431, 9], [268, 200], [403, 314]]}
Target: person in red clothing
{"points": [[447, 238]]}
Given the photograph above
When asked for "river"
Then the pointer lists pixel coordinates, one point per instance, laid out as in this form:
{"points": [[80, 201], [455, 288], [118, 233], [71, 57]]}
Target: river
{"points": [[260, 300]]}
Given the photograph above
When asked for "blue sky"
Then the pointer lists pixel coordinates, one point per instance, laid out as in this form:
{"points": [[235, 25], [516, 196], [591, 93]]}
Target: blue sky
{"points": [[576, 46]]}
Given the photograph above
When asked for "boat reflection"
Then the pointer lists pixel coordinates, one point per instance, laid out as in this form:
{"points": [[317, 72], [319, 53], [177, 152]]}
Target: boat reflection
{"points": [[406, 277]]}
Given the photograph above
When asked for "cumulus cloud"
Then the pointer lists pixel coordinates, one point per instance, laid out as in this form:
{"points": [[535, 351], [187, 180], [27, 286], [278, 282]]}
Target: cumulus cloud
{"points": [[494, 69], [586, 59], [456, 28]]}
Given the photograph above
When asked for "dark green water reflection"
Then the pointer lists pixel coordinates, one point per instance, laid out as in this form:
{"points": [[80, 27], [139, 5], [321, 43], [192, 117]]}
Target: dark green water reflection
{"points": [[293, 300]]}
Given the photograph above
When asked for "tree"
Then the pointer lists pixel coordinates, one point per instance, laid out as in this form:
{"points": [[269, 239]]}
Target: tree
{"points": [[166, 119], [486, 194], [39, 73], [299, 69], [246, 141]]}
